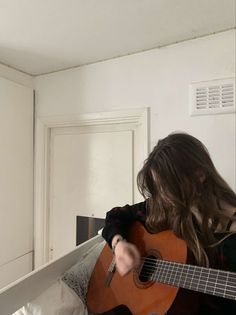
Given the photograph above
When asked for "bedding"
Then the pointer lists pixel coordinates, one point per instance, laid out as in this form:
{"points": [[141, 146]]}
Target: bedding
{"points": [[77, 277], [59, 299], [68, 295]]}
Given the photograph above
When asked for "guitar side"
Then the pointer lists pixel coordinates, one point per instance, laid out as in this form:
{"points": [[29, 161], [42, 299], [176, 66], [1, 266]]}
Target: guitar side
{"points": [[141, 297]]}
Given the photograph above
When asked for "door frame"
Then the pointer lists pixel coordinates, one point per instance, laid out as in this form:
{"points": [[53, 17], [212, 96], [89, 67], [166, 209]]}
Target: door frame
{"points": [[43, 128]]}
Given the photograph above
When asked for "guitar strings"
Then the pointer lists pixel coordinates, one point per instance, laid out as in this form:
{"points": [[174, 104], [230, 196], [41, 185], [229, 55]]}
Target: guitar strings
{"points": [[154, 265], [193, 285], [163, 275], [196, 269], [155, 262]]}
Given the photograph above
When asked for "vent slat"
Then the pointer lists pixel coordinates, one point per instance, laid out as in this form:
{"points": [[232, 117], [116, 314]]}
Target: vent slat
{"points": [[214, 103], [202, 96], [227, 91], [201, 105], [227, 85], [214, 106], [228, 105], [228, 95], [214, 98], [227, 99], [216, 87]]}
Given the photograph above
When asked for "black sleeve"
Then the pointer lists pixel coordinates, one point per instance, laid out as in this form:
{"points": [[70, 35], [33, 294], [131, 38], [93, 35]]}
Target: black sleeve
{"points": [[118, 220]]}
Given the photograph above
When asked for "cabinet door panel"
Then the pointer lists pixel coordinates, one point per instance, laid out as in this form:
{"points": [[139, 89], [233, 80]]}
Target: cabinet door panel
{"points": [[90, 174], [16, 172]]}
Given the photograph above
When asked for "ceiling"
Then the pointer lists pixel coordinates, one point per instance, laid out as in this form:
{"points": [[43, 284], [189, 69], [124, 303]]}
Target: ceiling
{"points": [[43, 36]]}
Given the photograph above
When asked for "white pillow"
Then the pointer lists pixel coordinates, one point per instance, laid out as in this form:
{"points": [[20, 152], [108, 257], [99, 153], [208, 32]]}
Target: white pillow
{"points": [[58, 299], [77, 277]]}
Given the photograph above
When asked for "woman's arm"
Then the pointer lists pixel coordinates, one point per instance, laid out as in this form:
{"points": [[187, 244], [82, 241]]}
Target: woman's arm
{"points": [[115, 231], [118, 220]]}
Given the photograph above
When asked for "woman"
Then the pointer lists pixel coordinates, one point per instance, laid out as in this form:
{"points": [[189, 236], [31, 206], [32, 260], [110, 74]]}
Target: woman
{"points": [[183, 192]]}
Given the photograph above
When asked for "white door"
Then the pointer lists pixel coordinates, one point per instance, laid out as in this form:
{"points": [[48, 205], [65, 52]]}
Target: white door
{"points": [[16, 180], [91, 171]]}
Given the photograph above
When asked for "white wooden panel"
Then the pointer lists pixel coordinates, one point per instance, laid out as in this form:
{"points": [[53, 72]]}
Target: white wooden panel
{"points": [[90, 174], [15, 269], [16, 175]]}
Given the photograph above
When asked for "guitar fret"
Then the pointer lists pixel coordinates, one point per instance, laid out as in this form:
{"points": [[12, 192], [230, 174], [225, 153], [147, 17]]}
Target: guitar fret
{"points": [[225, 286], [185, 279], [206, 285], [163, 273], [200, 274], [170, 274], [192, 277], [156, 272], [180, 275], [176, 273]]}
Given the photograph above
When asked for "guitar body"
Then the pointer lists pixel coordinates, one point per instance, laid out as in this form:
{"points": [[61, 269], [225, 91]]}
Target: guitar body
{"points": [[131, 294]]}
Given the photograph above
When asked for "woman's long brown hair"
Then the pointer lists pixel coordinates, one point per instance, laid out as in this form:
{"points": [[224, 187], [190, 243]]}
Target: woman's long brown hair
{"points": [[177, 177]]}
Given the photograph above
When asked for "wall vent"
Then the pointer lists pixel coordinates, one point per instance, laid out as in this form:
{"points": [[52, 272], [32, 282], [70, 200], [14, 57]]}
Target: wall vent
{"points": [[212, 97]]}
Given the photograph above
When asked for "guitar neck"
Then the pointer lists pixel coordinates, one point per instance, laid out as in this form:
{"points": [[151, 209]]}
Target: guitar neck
{"points": [[211, 281]]}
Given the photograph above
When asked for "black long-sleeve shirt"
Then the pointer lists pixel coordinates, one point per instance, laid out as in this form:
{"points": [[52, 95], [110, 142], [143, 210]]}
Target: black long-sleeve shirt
{"points": [[118, 220], [187, 302]]}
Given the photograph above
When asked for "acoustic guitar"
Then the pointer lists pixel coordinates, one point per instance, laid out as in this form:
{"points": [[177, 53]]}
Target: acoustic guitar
{"points": [[152, 287]]}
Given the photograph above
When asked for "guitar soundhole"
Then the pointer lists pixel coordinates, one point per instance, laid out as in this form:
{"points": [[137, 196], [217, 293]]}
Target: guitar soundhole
{"points": [[147, 269]]}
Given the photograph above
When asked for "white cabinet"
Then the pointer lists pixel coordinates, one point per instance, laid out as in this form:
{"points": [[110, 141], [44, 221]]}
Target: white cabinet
{"points": [[16, 180]]}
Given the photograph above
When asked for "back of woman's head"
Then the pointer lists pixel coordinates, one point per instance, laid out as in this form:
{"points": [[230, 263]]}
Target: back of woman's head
{"points": [[176, 169], [178, 176]]}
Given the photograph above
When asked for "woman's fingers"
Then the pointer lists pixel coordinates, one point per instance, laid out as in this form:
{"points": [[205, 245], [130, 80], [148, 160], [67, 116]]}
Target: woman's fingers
{"points": [[127, 257], [136, 255]]}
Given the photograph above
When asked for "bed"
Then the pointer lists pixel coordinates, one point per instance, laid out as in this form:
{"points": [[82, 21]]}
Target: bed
{"points": [[57, 283]]}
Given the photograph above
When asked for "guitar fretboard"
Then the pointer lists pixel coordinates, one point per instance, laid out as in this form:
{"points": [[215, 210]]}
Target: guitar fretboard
{"points": [[211, 281]]}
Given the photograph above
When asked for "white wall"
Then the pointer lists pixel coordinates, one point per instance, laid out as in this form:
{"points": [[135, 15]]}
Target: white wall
{"points": [[158, 79]]}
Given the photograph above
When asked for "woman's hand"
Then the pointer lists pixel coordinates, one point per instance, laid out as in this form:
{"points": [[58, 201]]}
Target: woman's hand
{"points": [[126, 257]]}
